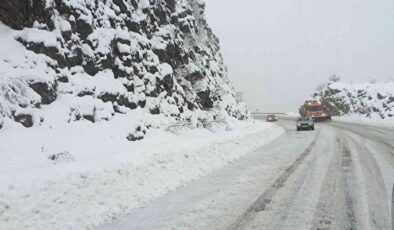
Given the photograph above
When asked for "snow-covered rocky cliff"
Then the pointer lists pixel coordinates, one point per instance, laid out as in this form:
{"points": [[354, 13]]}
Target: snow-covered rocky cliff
{"points": [[369, 100], [155, 61], [108, 104]]}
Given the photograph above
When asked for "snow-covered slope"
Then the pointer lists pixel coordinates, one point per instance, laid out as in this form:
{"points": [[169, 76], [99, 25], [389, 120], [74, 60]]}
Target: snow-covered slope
{"points": [[106, 105], [77, 60], [368, 100]]}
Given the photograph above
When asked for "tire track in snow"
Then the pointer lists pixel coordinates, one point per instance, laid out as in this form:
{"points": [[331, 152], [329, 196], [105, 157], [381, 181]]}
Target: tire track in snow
{"points": [[374, 163], [364, 133], [374, 183], [337, 206], [265, 199], [388, 145]]}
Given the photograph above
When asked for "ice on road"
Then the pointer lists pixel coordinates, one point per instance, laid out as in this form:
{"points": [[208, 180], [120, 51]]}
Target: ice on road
{"points": [[337, 177]]}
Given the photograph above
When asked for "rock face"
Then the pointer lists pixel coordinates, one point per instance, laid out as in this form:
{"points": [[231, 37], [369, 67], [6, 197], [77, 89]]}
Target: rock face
{"points": [[155, 55], [368, 99]]}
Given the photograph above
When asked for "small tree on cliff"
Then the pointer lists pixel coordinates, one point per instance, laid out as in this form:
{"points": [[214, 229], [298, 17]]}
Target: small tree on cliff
{"points": [[334, 78], [239, 96]]}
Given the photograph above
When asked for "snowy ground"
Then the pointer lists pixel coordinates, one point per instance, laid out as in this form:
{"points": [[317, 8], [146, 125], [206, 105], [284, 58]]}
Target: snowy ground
{"points": [[337, 177], [100, 175], [358, 119]]}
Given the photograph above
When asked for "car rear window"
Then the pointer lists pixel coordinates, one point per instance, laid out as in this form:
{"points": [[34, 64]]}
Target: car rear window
{"points": [[303, 119]]}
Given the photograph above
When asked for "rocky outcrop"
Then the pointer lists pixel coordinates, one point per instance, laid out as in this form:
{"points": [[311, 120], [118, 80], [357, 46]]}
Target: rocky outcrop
{"points": [[147, 54], [367, 99], [21, 13], [46, 91], [25, 119]]}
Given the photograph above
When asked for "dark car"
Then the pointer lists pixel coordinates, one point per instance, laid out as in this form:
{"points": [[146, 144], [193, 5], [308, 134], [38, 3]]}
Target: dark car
{"points": [[271, 118], [305, 123]]}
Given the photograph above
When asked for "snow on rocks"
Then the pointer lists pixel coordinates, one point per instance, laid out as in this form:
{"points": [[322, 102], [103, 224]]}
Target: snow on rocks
{"points": [[144, 4], [65, 26], [37, 36], [360, 101], [158, 56]]}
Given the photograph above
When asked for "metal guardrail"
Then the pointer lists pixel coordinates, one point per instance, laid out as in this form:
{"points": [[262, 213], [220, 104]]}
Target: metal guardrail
{"points": [[268, 113], [281, 116]]}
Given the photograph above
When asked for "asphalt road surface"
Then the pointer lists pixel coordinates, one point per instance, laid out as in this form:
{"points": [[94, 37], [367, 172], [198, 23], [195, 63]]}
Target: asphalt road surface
{"points": [[339, 176]]}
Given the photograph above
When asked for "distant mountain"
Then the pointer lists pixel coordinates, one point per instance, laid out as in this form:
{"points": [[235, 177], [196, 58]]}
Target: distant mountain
{"points": [[367, 99], [92, 60]]}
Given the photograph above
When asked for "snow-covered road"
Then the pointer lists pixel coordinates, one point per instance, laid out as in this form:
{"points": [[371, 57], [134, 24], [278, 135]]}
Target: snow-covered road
{"points": [[337, 177]]}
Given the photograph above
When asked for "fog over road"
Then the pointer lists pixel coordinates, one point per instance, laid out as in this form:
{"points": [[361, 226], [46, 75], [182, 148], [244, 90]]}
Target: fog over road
{"points": [[338, 177]]}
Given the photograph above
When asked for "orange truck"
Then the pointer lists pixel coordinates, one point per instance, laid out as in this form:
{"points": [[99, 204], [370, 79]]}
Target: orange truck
{"points": [[315, 110]]}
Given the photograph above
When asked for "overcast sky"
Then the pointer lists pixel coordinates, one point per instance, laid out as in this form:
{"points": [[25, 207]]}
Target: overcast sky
{"points": [[278, 51]]}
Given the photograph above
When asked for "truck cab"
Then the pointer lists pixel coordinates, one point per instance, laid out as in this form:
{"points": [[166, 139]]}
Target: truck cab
{"points": [[315, 110]]}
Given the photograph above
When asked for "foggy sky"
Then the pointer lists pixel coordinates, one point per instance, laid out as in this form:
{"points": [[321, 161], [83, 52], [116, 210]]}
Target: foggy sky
{"points": [[277, 52]]}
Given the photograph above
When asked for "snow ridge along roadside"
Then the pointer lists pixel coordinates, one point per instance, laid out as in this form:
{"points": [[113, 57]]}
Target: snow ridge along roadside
{"points": [[98, 194]]}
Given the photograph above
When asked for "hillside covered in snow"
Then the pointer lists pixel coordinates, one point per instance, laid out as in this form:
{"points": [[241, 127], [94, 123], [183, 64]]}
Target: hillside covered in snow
{"points": [[368, 100], [106, 105], [72, 61]]}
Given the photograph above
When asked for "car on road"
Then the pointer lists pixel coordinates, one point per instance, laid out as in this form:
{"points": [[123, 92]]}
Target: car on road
{"points": [[271, 118], [305, 123]]}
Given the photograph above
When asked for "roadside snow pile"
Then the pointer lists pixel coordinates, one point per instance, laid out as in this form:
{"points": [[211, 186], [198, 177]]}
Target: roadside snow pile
{"points": [[362, 101], [292, 114], [82, 174], [361, 119]]}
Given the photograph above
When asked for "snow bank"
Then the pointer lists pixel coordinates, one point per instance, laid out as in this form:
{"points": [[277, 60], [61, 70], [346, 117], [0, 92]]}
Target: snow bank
{"points": [[361, 119], [79, 176]]}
